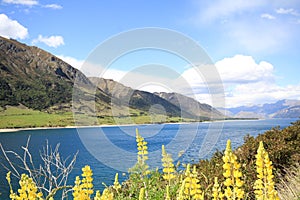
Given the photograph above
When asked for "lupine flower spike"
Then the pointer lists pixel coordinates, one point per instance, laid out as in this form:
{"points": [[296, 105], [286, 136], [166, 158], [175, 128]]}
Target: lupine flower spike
{"points": [[192, 188], [83, 189], [142, 153], [28, 189], [233, 184], [168, 170], [167, 163], [264, 185], [142, 194], [217, 194], [117, 185]]}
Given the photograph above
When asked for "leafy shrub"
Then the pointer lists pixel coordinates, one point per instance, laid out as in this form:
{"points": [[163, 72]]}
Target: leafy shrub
{"points": [[283, 147]]}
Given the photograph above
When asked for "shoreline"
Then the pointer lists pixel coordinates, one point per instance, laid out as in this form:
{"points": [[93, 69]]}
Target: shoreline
{"points": [[7, 130]]}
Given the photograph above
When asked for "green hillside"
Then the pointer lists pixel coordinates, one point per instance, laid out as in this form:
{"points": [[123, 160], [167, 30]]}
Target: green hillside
{"points": [[42, 85]]}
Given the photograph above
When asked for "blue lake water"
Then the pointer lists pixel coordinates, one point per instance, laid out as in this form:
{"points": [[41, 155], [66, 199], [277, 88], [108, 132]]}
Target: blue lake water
{"points": [[113, 149]]}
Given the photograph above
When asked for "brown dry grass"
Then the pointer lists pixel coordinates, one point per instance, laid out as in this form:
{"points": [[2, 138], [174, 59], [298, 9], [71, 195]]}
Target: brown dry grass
{"points": [[289, 186]]}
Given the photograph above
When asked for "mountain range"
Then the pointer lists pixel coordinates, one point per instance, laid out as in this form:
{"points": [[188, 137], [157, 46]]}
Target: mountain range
{"points": [[38, 80], [280, 109]]}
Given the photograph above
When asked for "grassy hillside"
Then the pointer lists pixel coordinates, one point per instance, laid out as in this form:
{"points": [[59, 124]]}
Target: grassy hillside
{"points": [[16, 117], [22, 117], [51, 88]]}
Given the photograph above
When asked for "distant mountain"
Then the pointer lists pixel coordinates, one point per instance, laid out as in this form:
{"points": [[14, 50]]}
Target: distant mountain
{"points": [[280, 109], [191, 105], [36, 79]]}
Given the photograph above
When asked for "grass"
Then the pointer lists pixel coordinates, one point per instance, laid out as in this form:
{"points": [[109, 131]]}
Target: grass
{"points": [[21, 117], [145, 119], [15, 117]]}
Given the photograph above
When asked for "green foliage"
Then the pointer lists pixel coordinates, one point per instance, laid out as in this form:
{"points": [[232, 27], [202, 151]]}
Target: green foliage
{"points": [[283, 147], [36, 93]]}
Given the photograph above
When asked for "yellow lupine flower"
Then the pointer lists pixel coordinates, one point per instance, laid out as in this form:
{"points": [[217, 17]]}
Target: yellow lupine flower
{"points": [[233, 184], [142, 153], [167, 163], [142, 147], [264, 185], [117, 185], [217, 194], [28, 189], [142, 194], [192, 188], [98, 195], [83, 189], [8, 177], [168, 170], [180, 195], [107, 195]]}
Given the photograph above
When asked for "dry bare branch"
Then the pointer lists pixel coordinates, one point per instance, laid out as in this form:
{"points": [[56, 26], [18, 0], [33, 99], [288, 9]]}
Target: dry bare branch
{"points": [[51, 175]]}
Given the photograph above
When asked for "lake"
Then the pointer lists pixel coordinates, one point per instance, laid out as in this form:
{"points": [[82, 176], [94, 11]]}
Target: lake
{"points": [[113, 149]]}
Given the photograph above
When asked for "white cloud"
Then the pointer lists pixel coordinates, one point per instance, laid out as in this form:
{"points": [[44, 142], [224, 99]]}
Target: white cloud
{"points": [[22, 2], [261, 92], [241, 69], [32, 3], [53, 6], [72, 61], [93, 70], [52, 41], [223, 8], [267, 16], [116, 75], [245, 82], [11, 28], [289, 11], [136, 79]]}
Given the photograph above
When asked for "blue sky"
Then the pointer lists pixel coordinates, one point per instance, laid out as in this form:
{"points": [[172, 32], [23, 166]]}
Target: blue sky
{"points": [[254, 45]]}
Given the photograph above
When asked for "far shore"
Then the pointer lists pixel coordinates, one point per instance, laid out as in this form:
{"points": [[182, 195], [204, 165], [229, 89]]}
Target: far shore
{"points": [[3, 130], [6, 130], [45, 127], [36, 128]]}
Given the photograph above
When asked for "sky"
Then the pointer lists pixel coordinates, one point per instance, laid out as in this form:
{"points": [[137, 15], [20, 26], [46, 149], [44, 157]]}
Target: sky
{"points": [[254, 45]]}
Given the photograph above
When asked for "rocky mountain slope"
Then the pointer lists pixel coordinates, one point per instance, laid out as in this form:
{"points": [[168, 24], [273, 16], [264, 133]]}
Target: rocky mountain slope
{"points": [[191, 105], [137, 99], [190, 108]]}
